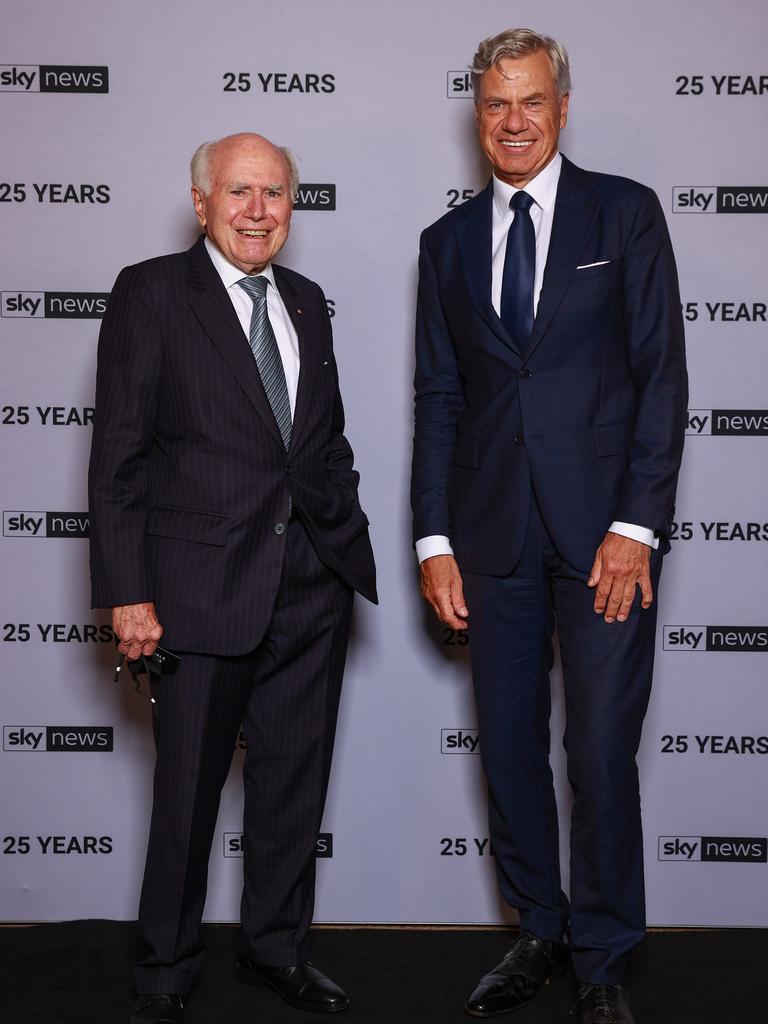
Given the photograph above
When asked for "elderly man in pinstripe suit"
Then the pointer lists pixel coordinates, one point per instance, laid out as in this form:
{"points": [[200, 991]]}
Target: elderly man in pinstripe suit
{"points": [[225, 519]]}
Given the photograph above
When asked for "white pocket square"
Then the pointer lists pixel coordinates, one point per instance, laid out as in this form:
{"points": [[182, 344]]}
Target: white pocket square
{"points": [[586, 266]]}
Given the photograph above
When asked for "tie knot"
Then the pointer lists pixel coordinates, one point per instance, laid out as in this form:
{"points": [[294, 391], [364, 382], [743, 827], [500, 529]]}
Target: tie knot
{"points": [[521, 201], [256, 287]]}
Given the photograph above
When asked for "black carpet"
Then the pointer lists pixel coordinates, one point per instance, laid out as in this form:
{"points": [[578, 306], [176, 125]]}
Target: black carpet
{"points": [[79, 973]]}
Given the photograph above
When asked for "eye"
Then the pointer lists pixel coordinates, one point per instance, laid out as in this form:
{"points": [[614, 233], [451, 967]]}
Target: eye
{"points": [[237, 192], [274, 193]]}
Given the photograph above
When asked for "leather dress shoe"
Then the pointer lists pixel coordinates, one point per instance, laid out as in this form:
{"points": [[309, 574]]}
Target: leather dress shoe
{"points": [[602, 1004], [516, 980], [157, 1008], [303, 986]]}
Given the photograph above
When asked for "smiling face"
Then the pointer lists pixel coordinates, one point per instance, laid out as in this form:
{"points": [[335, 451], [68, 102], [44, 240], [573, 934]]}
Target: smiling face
{"points": [[519, 115], [246, 208]]}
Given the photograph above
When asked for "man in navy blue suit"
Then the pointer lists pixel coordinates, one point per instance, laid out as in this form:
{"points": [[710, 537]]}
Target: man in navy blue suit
{"points": [[550, 409]]}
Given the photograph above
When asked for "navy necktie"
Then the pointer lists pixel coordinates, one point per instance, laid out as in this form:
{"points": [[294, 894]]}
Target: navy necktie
{"points": [[519, 270]]}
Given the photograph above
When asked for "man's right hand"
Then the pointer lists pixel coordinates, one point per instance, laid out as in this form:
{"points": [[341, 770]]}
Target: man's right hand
{"points": [[138, 629], [441, 587]]}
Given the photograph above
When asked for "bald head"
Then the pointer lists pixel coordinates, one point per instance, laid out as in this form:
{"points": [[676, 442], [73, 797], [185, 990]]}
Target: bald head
{"points": [[243, 189], [205, 154]]}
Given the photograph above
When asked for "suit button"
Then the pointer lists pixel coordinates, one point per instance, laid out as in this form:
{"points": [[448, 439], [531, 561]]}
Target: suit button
{"points": [[525, 373], [518, 438], [279, 528]]}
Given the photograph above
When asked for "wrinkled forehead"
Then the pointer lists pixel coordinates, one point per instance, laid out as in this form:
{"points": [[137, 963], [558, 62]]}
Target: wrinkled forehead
{"points": [[531, 68], [250, 161]]}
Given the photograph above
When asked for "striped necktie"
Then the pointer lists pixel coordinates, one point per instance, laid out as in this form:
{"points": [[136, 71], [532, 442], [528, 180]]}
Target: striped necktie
{"points": [[267, 355]]}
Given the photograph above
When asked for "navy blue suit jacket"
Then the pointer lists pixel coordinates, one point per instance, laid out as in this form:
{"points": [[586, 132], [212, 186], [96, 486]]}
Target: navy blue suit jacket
{"points": [[189, 478], [592, 410]]}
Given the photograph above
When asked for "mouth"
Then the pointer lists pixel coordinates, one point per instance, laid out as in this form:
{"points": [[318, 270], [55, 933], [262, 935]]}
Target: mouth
{"points": [[524, 144], [252, 232]]}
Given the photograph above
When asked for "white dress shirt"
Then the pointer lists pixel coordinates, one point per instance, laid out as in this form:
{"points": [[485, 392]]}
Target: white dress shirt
{"points": [[285, 333], [543, 191]]}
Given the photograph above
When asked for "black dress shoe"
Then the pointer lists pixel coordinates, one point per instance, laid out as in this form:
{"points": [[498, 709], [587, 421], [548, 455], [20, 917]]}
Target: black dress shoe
{"points": [[516, 980], [157, 1008], [302, 986], [603, 1004]]}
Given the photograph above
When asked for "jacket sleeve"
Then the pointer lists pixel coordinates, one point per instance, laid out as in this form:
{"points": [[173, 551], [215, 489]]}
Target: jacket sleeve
{"points": [[339, 459], [438, 404], [127, 389], [656, 353]]}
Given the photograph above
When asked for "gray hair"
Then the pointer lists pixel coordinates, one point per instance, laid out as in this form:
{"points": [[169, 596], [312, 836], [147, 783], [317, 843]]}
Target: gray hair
{"points": [[200, 166], [519, 42]]}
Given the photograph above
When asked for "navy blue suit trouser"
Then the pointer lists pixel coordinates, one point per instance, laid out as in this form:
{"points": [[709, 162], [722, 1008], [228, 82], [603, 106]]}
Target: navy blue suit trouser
{"points": [[607, 671]]}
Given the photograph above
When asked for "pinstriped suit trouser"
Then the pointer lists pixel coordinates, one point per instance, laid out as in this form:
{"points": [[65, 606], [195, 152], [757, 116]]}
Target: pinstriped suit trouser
{"points": [[286, 695]]}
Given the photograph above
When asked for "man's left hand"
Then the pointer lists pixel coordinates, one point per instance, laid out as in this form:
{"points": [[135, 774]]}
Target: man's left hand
{"points": [[621, 564]]}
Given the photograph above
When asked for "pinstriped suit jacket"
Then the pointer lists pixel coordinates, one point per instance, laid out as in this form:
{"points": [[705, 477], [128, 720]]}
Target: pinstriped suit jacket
{"points": [[189, 478]]}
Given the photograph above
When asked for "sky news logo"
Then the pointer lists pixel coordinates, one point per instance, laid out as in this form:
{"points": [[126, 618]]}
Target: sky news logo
{"points": [[54, 78], [315, 197], [459, 741], [45, 524], [714, 849], [54, 305], [459, 85], [58, 738], [234, 841], [727, 422], [716, 638], [720, 199]]}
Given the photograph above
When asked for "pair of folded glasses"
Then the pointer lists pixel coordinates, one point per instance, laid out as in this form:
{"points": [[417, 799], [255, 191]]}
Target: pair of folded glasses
{"points": [[161, 662]]}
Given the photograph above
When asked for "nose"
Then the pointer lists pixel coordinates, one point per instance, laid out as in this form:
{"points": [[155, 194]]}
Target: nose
{"points": [[515, 120], [255, 207]]}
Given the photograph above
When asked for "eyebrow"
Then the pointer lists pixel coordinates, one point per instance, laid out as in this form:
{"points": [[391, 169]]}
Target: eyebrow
{"points": [[272, 186], [505, 99]]}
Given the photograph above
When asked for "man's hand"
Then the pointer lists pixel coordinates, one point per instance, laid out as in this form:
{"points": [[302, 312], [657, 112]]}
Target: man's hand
{"points": [[138, 629], [441, 586], [621, 564]]}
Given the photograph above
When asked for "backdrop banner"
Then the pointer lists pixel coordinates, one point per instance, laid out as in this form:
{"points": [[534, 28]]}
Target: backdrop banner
{"points": [[102, 106]]}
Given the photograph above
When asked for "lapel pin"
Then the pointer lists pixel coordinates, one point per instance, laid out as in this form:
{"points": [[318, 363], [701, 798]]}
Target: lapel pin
{"points": [[300, 311]]}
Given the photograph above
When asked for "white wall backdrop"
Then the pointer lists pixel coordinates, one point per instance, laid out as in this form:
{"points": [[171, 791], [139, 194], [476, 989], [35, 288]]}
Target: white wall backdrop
{"points": [[373, 101]]}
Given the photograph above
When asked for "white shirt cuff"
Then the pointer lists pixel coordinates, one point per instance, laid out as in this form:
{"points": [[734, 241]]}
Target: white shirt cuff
{"points": [[641, 533], [427, 547]]}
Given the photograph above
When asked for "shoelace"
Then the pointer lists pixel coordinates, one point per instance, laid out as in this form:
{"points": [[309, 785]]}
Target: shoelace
{"points": [[605, 1000], [520, 952]]}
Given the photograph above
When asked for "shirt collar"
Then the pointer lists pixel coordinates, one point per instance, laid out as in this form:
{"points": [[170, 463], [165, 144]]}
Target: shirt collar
{"points": [[228, 272], [542, 189]]}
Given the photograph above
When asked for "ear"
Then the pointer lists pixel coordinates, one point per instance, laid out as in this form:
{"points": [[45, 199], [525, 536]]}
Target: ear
{"points": [[564, 110], [198, 199]]}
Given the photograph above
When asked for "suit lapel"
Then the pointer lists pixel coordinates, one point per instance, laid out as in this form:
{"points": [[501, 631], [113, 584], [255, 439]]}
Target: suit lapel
{"points": [[216, 315], [575, 210], [305, 326], [474, 229]]}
